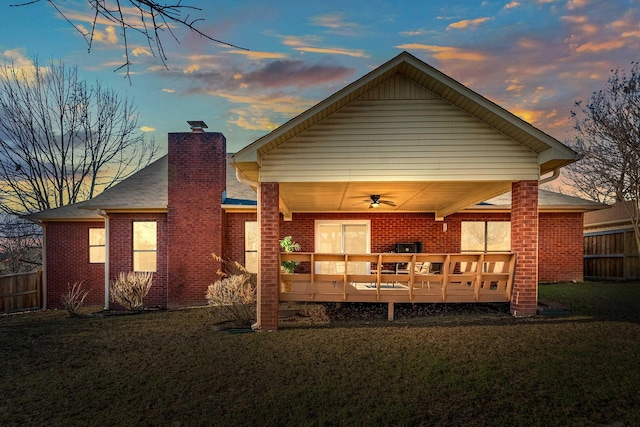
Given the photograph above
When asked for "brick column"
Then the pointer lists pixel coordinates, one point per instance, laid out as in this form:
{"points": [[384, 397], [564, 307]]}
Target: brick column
{"points": [[268, 266], [524, 242]]}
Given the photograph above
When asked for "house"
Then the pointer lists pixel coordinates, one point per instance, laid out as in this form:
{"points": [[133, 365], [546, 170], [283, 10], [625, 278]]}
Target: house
{"points": [[610, 248], [405, 158]]}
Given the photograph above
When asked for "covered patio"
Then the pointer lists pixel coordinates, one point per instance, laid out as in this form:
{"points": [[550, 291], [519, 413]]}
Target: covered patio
{"points": [[426, 144]]}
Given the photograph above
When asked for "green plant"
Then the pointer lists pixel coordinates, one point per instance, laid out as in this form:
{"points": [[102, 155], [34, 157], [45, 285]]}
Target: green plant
{"points": [[73, 298], [289, 246], [129, 289]]}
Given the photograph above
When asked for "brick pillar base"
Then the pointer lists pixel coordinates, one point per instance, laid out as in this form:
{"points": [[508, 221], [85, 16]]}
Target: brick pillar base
{"points": [[268, 257], [524, 242]]}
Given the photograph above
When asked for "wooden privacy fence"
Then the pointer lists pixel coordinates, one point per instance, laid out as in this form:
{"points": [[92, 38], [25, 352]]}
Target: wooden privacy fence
{"points": [[611, 255], [21, 291]]}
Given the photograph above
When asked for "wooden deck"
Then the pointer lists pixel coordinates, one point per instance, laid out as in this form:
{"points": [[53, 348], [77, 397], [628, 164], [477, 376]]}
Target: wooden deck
{"points": [[391, 277]]}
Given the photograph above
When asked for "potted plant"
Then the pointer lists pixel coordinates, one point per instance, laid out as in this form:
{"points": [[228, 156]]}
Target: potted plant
{"points": [[289, 246]]}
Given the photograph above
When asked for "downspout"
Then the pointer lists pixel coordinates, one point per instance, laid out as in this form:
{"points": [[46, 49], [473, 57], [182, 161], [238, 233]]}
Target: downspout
{"points": [[243, 179], [554, 175], [44, 265], [106, 257]]}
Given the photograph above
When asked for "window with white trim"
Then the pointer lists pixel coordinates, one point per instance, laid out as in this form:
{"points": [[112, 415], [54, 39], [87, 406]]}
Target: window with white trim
{"points": [[145, 245], [97, 248], [346, 237], [251, 246], [486, 236]]}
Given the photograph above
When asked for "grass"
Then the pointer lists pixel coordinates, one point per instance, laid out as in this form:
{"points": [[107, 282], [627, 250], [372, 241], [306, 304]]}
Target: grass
{"points": [[451, 367]]}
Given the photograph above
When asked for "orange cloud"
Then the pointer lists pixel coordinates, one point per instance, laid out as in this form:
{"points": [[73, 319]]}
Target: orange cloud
{"points": [[511, 5], [108, 36], [529, 116], [334, 22], [253, 123], [141, 51], [574, 19], [468, 23], [191, 69], [255, 55], [333, 51], [575, 4], [446, 52], [147, 129], [602, 46]]}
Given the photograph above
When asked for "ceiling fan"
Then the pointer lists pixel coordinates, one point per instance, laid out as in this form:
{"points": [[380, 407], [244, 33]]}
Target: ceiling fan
{"points": [[375, 201]]}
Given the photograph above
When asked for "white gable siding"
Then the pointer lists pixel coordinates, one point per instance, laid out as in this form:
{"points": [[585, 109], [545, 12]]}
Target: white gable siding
{"points": [[399, 131]]}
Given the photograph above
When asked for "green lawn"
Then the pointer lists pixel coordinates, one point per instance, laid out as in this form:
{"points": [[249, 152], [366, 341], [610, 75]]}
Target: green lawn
{"points": [[446, 367]]}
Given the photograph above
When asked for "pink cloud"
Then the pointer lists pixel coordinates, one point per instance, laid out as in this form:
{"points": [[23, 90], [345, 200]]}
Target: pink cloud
{"points": [[295, 73]]}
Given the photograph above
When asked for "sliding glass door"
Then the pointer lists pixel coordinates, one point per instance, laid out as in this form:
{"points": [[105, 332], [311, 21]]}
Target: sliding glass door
{"points": [[340, 237]]}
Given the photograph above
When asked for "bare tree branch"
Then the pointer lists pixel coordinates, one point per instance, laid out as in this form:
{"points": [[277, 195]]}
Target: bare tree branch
{"points": [[153, 18], [61, 140], [608, 136]]}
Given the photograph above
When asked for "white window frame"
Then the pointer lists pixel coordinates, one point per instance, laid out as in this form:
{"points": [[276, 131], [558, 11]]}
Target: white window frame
{"points": [[92, 253], [135, 250], [485, 237], [342, 222], [251, 250]]}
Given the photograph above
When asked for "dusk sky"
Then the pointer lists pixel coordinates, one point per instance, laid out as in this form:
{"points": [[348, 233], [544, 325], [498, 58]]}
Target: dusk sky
{"points": [[534, 58]]}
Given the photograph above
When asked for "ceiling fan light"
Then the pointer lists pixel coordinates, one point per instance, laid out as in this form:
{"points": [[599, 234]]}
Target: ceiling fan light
{"points": [[375, 204]]}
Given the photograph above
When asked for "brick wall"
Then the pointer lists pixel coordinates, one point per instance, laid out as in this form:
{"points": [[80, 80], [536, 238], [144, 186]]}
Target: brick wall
{"points": [[387, 229], [121, 252], [68, 262], [197, 175], [561, 247], [524, 242], [234, 235]]}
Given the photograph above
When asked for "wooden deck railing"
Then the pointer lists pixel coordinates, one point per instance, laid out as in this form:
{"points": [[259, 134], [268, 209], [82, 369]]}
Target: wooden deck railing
{"points": [[391, 277]]}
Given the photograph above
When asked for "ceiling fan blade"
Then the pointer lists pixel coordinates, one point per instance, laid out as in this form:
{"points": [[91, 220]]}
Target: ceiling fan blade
{"points": [[387, 202]]}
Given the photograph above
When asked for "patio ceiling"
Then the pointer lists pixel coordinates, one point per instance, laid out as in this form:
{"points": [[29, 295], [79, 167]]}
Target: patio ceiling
{"points": [[442, 198]]}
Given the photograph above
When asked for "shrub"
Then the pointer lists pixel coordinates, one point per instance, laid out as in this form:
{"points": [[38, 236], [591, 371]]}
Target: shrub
{"points": [[130, 289], [73, 298], [234, 297]]}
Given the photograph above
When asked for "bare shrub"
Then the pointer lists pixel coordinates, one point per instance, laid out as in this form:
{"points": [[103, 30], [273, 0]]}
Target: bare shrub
{"points": [[316, 313], [130, 289], [233, 268], [234, 298], [234, 294], [73, 298]]}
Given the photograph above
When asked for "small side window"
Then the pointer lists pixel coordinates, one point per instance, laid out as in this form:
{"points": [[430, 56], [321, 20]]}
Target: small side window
{"points": [[251, 246], [145, 247], [97, 248]]}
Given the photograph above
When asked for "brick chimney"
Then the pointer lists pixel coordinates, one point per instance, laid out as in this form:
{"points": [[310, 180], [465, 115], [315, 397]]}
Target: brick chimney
{"points": [[197, 180]]}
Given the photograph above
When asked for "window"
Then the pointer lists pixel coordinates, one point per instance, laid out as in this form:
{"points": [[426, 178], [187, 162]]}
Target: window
{"points": [[486, 236], [144, 245], [97, 248], [347, 237], [251, 246]]}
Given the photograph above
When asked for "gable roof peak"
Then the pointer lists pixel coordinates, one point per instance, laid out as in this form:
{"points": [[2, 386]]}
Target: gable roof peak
{"points": [[553, 154]]}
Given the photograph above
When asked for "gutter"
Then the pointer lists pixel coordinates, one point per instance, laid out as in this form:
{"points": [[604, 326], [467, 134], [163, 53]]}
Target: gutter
{"points": [[554, 175], [243, 178]]}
